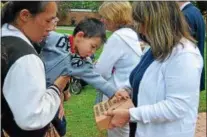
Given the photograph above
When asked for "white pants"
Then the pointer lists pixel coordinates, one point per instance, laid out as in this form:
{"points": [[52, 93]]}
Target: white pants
{"points": [[119, 132]]}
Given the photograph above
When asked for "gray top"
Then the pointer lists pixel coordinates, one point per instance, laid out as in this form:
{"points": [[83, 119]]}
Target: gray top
{"points": [[59, 60]]}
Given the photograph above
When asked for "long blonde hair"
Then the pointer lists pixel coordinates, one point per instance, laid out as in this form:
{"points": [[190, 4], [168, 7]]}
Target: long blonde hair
{"points": [[119, 13], [164, 25]]}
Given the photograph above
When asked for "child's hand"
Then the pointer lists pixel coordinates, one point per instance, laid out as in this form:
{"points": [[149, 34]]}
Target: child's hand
{"points": [[121, 94]]}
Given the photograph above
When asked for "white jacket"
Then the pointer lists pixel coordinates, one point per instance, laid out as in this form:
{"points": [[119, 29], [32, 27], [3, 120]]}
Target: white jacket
{"points": [[32, 105], [121, 52], [169, 95]]}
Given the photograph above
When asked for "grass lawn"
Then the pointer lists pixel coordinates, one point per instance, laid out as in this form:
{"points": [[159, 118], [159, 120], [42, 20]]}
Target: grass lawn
{"points": [[79, 109], [64, 31], [202, 105]]}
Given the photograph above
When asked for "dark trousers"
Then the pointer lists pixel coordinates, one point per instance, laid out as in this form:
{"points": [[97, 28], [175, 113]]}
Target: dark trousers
{"points": [[59, 124], [202, 84]]}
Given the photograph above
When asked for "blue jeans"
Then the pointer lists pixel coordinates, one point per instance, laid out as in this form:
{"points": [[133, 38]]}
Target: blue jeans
{"points": [[60, 125]]}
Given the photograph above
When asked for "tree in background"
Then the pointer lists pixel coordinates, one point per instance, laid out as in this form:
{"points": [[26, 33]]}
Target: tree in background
{"points": [[65, 6], [202, 5], [93, 5]]}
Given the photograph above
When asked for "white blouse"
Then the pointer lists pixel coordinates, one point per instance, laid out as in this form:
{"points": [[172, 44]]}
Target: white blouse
{"points": [[168, 96]]}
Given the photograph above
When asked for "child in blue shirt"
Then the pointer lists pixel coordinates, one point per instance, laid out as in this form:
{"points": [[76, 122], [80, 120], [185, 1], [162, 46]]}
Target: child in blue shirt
{"points": [[70, 55]]}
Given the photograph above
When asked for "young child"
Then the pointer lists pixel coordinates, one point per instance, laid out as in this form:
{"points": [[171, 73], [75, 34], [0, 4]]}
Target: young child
{"points": [[70, 55]]}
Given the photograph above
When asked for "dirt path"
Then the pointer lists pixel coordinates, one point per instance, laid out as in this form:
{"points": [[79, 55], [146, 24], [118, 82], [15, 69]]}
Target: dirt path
{"points": [[201, 125]]}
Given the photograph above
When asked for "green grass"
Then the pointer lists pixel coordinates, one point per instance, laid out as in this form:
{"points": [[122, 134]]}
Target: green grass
{"points": [[80, 117], [79, 109], [64, 31], [202, 105]]}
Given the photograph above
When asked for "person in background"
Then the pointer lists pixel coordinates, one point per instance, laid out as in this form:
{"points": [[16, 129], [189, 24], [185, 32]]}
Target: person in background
{"points": [[196, 23], [166, 81], [121, 53], [28, 106]]}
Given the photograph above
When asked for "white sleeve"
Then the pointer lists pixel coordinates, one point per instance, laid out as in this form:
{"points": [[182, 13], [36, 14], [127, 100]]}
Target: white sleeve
{"points": [[33, 106], [182, 78], [112, 52]]}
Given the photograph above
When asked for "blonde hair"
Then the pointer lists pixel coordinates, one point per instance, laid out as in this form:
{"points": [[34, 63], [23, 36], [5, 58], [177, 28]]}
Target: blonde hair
{"points": [[164, 25], [119, 13]]}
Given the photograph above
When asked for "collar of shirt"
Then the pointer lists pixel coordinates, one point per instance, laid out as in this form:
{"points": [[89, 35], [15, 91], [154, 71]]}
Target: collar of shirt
{"points": [[72, 48], [183, 6], [10, 30]]}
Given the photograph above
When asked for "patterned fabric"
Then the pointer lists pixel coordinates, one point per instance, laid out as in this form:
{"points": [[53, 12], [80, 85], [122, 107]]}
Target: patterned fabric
{"points": [[76, 60], [52, 132]]}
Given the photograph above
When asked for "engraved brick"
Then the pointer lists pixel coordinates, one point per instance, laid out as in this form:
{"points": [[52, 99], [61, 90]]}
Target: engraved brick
{"points": [[102, 120]]}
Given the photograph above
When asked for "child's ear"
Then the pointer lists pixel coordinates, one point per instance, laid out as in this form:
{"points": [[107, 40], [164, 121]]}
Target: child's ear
{"points": [[80, 34]]}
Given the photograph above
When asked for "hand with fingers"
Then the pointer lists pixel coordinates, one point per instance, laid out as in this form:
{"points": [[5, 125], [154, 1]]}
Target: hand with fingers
{"points": [[121, 94], [120, 117]]}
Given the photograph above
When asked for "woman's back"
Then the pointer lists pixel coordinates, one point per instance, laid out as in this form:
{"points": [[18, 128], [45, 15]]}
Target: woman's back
{"points": [[120, 55]]}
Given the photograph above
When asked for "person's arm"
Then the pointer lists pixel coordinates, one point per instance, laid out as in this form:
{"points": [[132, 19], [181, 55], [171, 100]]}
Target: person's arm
{"points": [[112, 52], [182, 78], [96, 80], [88, 74], [32, 105]]}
